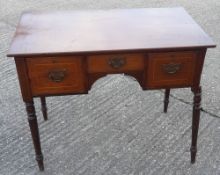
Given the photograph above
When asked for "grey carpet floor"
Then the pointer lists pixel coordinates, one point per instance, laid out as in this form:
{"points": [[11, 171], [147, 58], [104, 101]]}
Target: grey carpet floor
{"points": [[117, 128]]}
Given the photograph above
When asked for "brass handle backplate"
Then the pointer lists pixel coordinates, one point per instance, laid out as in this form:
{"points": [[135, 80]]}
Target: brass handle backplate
{"points": [[172, 68], [57, 75], [116, 62]]}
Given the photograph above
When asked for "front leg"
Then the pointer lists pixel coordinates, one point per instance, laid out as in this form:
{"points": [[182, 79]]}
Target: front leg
{"points": [[195, 121], [32, 119]]}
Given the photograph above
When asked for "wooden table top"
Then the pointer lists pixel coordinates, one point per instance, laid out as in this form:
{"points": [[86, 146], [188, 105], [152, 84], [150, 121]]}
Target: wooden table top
{"points": [[91, 31]]}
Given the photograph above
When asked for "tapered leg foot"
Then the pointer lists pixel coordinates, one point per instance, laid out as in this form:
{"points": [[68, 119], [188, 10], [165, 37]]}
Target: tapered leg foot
{"points": [[32, 120], [39, 159], [44, 107], [193, 154], [166, 99], [195, 121]]}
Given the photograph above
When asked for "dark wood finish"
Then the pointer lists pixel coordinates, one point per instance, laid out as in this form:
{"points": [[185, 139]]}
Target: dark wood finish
{"points": [[44, 107], [60, 53], [171, 69], [115, 63], [32, 119], [197, 90], [23, 79], [199, 67], [28, 99], [44, 74], [166, 99], [195, 121], [91, 31]]}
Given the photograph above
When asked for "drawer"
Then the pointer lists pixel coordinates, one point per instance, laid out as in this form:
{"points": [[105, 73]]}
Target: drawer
{"points": [[56, 75], [115, 63], [171, 69]]}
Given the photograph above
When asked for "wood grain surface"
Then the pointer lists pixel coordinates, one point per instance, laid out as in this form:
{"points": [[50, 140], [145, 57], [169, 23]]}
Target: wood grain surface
{"points": [[40, 70], [68, 32], [101, 63], [160, 78]]}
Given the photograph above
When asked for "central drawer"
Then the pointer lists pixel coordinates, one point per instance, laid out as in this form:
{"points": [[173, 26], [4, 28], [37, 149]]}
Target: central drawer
{"points": [[113, 63]]}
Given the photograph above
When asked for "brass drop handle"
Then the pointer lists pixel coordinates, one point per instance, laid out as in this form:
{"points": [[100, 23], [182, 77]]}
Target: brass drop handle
{"points": [[116, 62], [57, 75], [172, 68]]}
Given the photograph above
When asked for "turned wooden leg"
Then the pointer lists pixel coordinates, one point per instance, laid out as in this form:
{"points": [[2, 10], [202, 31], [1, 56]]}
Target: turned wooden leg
{"points": [[32, 119], [166, 99], [44, 107], [195, 122]]}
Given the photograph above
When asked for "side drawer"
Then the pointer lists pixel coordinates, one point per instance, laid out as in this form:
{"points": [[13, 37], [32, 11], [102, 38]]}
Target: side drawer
{"points": [[111, 63], [56, 75], [171, 69]]}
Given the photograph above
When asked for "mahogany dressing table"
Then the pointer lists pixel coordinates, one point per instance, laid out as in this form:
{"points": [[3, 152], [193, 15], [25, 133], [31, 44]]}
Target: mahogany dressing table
{"points": [[63, 53]]}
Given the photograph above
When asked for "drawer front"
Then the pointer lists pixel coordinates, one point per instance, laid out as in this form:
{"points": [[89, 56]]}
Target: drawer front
{"points": [[115, 63], [56, 75], [171, 69]]}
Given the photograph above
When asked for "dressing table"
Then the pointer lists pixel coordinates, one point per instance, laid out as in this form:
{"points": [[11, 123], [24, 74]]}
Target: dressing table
{"points": [[65, 52]]}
